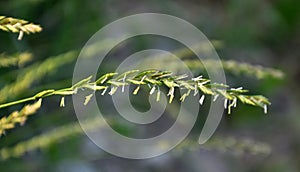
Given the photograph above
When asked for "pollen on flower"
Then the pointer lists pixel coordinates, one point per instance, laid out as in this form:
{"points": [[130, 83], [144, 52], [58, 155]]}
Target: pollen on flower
{"points": [[87, 99], [104, 91], [225, 103], [197, 78], [265, 109], [216, 97], [201, 100], [158, 95], [62, 102], [136, 90], [235, 102], [239, 88], [171, 94], [113, 90], [152, 90], [21, 33]]}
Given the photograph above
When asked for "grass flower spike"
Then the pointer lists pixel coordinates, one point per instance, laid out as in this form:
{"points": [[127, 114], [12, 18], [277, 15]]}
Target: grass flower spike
{"points": [[20, 26]]}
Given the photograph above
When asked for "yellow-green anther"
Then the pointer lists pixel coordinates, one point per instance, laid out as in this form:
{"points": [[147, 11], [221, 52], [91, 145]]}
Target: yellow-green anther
{"points": [[152, 90], [87, 99], [201, 100], [158, 95], [113, 90], [62, 102], [104, 91], [136, 90], [265, 109]]}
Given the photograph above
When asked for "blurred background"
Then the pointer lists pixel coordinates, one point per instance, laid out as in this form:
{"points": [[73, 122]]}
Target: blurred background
{"points": [[265, 33]]}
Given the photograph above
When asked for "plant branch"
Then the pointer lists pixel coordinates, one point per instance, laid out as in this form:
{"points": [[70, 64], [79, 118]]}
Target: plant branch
{"points": [[156, 79], [17, 102]]}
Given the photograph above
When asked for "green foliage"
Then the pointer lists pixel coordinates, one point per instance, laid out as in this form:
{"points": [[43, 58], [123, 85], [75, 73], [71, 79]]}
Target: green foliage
{"points": [[38, 70], [238, 68], [230, 66], [34, 73], [236, 146], [231, 145], [109, 83], [46, 139], [251, 34], [18, 59]]}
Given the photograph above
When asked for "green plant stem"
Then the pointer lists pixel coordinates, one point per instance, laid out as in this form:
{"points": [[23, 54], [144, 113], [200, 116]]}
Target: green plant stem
{"points": [[17, 102]]}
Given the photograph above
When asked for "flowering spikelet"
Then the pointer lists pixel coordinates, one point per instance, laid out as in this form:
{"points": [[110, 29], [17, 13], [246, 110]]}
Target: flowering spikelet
{"points": [[18, 116]]}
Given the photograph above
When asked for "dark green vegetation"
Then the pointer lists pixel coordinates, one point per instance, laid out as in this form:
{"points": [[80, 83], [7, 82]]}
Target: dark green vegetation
{"points": [[253, 34]]}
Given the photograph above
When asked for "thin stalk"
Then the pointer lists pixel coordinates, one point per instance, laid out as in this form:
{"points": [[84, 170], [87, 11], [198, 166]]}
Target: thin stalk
{"points": [[155, 78], [17, 102]]}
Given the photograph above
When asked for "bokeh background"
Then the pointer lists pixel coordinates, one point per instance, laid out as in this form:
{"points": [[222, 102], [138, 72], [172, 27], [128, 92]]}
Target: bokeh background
{"points": [[265, 33]]}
